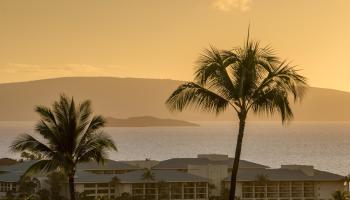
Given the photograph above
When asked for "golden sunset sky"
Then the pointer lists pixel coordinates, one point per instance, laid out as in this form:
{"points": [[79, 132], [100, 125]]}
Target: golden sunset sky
{"points": [[162, 38]]}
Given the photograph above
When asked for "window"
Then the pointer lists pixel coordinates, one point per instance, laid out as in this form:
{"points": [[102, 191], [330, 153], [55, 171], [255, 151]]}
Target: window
{"points": [[103, 185], [201, 184], [89, 185], [284, 189], [248, 189], [105, 191], [89, 192], [297, 189], [309, 189], [189, 196], [176, 190], [201, 190], [201, 196], [4, 187]]}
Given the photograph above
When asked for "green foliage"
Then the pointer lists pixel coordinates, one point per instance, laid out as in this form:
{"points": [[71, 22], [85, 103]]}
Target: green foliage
{"points": [[70, 134], [56, 181], [245, 78], [262, 179], [43, 194], [340, 195], [148, 175], [83, 196], [28, 186], [115, 181], [9, 195], [31, 156]]}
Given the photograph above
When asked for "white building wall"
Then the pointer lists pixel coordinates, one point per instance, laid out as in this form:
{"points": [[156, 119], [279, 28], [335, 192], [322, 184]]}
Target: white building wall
{"points": [[125, 188], [215, 174], [238, 189], [324, 190]]}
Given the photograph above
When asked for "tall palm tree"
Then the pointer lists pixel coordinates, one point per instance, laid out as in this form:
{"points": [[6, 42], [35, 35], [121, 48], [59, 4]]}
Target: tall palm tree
{"points": [[248, 78], [70, 135]]}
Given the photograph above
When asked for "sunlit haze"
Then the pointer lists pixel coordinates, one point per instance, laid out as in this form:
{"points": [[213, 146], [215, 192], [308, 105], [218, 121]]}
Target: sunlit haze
{"points": [[162, 39]]}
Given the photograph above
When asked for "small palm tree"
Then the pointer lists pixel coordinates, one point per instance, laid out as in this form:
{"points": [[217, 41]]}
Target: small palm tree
{"points": [[148, 175], [115, 181], [262, 179], [249, 78], [114, 184], [70, 135], [340, 195]]}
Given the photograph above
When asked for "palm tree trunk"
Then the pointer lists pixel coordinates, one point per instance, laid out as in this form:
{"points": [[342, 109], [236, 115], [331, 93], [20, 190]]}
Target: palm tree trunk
{"points": [[71, 186], [242, 118]]}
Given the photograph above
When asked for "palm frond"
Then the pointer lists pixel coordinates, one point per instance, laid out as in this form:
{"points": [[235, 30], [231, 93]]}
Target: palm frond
{"points": [[212, 72], [95, 148], [192, 94], [42, 166], [276, 99], [27, 142], [46, 114]]}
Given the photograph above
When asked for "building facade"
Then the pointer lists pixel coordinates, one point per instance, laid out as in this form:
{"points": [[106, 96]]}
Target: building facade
{"points": [[289, 182], [200, 178]]}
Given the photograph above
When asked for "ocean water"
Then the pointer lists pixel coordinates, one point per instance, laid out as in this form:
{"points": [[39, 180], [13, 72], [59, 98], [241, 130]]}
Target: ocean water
{"points": [[326, 145]]}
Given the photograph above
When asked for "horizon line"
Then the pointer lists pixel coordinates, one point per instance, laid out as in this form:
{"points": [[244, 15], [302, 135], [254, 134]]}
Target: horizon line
{"points": [[128, 77]]}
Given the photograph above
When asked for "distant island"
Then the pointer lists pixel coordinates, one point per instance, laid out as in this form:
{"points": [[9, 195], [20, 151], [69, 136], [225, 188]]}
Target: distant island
{"points": [[146, 121]]}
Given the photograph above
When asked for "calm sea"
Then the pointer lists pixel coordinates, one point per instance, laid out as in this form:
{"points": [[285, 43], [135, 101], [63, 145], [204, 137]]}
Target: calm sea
{"points": [[326, 145]]}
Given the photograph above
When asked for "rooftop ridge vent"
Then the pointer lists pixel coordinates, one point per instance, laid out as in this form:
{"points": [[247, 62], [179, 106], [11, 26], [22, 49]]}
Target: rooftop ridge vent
{"points": [[306, 169], [214, 157]]}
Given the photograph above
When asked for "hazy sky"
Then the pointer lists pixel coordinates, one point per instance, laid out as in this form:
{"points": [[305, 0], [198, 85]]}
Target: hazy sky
{"points": [[162, 38]]}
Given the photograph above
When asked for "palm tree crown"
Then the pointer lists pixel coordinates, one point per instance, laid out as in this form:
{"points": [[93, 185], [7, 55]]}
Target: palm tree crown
{"points": [[245, 78], [70, 135], [249, 78]]}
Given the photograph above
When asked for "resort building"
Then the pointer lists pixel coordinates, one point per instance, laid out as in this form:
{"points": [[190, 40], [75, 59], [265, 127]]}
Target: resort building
{"points": [[258, 182], [214, 167], [10, 176], [207, 175], [143, 184], [290, 182], [109, 167]]}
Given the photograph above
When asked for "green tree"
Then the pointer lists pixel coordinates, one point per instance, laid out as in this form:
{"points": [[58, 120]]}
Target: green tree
{"points": [[115, 181], [148, 175], [84, 196], [30, 156], [9, 195], [43, 194], [340, 195], [114, 184], [262, 179], [72, 135], [28, 186], [248, 78], [56, 182]]}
